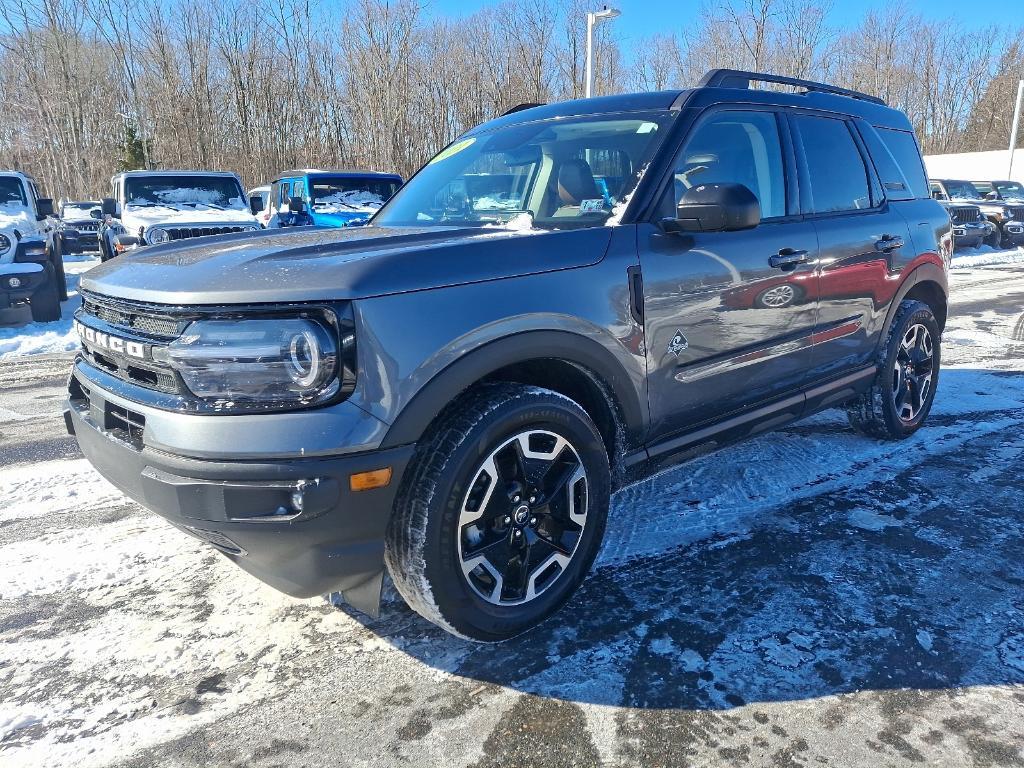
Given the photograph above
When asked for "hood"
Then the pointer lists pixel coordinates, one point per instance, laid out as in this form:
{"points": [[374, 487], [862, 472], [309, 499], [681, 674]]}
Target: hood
{"points": [[16, 217], [135, 216], [322, 264]]}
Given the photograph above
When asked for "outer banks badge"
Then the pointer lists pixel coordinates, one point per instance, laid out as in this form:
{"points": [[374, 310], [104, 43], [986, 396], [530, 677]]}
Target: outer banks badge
{"points": [[595, 205]]}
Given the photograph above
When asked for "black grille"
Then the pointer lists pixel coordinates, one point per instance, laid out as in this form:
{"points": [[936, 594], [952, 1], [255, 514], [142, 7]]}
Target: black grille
{"points": [[181, 233], [965, 215], [1018, 212], [134, 319], [83, 227]]}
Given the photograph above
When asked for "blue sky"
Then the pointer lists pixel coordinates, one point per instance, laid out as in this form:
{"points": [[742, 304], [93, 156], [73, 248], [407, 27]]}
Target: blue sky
{"points": [[646, 17]]}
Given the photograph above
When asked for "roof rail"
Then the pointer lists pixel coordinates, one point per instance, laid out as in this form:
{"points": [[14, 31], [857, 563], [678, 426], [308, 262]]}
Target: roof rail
{"points": [[737, 78], [521, 107]]}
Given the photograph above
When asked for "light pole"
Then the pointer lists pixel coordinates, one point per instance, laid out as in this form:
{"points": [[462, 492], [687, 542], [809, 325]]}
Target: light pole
{"points": [[593, 19], [1013, 130]]}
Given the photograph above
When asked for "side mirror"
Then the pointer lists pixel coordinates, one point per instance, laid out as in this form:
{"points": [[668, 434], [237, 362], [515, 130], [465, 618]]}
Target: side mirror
{"points": [[44, 208], [109, 206], [715, 208], [296, 205], [95, 213], [255, 204]]}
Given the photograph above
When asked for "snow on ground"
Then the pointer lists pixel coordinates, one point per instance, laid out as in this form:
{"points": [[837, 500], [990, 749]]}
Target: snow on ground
{"points": [[786, 581], [20, 336], [985, 255]]}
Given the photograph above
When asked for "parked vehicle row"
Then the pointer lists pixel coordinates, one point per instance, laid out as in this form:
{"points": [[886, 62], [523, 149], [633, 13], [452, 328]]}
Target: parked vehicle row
{"points": [[565, 299], [989, 212]]}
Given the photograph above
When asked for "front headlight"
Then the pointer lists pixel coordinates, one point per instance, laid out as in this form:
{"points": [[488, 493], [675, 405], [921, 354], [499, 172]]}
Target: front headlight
{"points": [[258, 361], [157, 235], [5, 243]]}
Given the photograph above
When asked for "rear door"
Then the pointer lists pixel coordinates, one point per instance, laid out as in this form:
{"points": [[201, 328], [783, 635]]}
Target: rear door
{"points": [[728, 327], [862, 239]]}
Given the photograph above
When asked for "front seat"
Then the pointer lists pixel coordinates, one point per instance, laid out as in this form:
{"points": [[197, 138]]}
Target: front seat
{"points": [[575, 183]]}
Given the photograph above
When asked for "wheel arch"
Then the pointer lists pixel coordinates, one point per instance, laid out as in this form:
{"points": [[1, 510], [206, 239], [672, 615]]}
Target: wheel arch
{"points": [[926, 283], [573, 365]]}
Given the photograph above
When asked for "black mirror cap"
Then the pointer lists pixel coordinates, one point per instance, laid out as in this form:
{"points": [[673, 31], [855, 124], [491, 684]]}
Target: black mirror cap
{"points": [[44, 208], [109, 206], [95, 213], [256, 204], [716, 208], [296, 205]]}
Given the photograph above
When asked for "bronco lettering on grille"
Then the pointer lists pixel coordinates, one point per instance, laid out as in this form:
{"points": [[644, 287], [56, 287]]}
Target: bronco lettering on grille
{"points": [[113, 343]]}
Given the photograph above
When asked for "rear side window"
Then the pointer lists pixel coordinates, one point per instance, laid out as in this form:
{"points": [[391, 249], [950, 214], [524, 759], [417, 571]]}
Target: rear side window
{"points": [[896, 185], [903, 147], [838, 176]]}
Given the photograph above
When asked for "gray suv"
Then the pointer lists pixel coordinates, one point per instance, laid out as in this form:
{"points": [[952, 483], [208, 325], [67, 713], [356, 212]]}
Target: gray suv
{"points": [[452, 392]]}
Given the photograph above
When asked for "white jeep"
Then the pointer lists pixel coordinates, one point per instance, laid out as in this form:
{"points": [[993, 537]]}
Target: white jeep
{"points": [[154, 207], [31, 261]]}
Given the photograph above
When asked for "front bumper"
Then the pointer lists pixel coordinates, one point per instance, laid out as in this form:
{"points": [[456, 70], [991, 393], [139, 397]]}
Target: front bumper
{"points": [[1013, 233], [332, 541], [970, 235], [30, 282]]}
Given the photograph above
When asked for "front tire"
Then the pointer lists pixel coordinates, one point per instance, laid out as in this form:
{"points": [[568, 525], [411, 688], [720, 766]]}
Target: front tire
{"points": [[45, 301], [501, 512], [902, 394]]}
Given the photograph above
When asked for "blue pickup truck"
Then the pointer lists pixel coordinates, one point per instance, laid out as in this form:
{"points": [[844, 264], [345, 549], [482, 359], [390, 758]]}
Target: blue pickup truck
{"points": [[328, 198]]}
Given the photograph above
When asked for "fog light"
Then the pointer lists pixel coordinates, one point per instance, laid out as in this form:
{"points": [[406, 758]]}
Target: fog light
{"points": [[365, 481], [14, 282]]}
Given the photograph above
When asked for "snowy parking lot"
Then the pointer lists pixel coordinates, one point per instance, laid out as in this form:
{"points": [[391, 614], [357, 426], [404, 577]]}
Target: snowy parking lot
{"points": [[810, 597]]}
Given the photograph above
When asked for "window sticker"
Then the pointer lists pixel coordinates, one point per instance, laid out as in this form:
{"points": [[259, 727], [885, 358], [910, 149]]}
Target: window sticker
{"points": [[452, 150], [594, 205]]}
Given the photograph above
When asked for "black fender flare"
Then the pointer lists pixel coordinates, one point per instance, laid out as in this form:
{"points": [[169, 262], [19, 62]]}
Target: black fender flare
{"points": [[476, 365], [925, 273]]}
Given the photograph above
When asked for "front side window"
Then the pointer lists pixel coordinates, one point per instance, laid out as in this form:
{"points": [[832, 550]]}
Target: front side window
{"points": [[186, 191], [564, 173], [1010, 190], [12, 192], [338, 194], [835, 167], [735, 148]]}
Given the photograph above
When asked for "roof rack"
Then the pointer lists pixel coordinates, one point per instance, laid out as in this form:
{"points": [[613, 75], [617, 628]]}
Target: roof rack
{"points": [[521, 107], [737, 78]]}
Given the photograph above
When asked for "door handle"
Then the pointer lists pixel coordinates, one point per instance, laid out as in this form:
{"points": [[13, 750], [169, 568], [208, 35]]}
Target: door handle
{"points": [[787, 257], [889, 243]]}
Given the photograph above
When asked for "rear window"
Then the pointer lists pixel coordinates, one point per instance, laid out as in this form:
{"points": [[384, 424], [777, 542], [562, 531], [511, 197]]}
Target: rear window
{"points": [[903, 147]]}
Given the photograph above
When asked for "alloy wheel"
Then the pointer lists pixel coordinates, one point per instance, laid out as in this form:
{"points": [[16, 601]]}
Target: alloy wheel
{"points": [[913, 371], [522, 518]]}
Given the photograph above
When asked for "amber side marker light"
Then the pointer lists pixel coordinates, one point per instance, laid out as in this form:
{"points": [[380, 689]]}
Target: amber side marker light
{"points": [[366, 481]]}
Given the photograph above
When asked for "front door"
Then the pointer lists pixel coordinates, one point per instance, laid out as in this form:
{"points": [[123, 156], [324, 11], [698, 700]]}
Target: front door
{"points": [[729, 316]]}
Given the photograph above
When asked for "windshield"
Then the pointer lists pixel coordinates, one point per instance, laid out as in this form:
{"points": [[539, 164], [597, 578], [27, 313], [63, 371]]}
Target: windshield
{"points": [[338, 194], [563, 173], [1013, 190], [962, 190], [11, 191], [178, 191]]}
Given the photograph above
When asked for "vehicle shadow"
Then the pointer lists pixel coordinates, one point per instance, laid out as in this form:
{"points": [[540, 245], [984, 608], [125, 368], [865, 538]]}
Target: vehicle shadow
{"points": [[839, 564]]}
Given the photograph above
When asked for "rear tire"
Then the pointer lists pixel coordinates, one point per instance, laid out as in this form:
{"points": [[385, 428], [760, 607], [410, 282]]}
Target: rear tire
{"points": [[902, 394], [500, 513], [45, 302]]}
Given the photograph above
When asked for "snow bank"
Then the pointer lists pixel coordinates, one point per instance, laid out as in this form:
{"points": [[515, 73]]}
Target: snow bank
{"points": [[984, 256], [40, 338]]}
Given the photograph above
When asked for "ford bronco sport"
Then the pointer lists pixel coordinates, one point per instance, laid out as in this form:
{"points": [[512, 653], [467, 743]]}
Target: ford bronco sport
{"points": [[452, 392]]}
